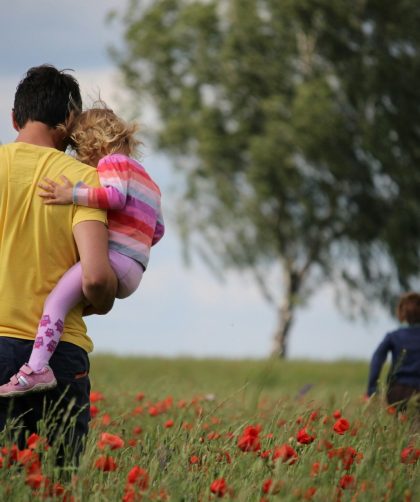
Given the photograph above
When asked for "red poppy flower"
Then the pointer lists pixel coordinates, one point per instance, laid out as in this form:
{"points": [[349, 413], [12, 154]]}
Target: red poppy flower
{"points": [[267, 485], [138, 477], [34, 440], [105, 463], [410, 455], [106, 419], [316, 466], [169, 423], [314, 416], [219, 487], [286, 453], [249, 440], [336, 414], [111, 440], [303, 437], [130, 494], [348, 456], [94, 410], [35, 480], [194, 459], [310, 492], [96, 396], [341, 426], [34, 467], [56, 490], [153, 411], [10, 452], [27, 457], [140, 396], [138, 410], [160, 406], [347, 482]]}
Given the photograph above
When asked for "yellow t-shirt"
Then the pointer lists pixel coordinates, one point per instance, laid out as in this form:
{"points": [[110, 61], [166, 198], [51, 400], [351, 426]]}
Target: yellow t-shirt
{"points": [[36, 240]]}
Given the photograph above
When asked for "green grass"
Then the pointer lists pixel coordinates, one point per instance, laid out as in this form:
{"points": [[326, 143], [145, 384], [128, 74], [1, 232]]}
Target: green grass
{"points": [[223, 376], [210, 403]]}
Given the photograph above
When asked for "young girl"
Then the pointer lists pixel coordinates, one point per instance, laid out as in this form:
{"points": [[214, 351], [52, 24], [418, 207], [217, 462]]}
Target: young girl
{"points": [[404, 345], [135, 224]]}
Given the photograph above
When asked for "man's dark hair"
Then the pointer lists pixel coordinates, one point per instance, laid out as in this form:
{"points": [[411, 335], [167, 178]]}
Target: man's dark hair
{"points": [[46, 95]]}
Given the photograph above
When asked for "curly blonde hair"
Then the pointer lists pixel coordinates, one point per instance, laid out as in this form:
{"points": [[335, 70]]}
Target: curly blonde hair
{"points": [[408, 309], [98, 131]]}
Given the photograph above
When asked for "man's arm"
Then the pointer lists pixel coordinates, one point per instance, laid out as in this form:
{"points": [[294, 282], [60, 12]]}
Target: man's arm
{"points": [[99, 280]]}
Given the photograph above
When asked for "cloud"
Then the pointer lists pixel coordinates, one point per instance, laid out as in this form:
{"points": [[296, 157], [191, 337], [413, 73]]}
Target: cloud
{"points": [[69, 34]]}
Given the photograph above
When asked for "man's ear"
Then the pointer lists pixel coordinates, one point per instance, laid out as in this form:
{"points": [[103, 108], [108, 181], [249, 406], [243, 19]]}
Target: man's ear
{"points": [[14, 122]]}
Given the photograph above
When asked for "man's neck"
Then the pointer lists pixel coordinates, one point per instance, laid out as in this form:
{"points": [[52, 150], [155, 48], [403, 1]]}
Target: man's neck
{"points": [[40, 134]]}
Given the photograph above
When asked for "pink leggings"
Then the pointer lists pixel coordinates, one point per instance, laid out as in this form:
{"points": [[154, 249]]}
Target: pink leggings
{"points": [[67, 294]]}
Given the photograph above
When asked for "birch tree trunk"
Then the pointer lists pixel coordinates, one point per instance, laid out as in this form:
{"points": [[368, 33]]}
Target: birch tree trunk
{"points": [[286, 314]]}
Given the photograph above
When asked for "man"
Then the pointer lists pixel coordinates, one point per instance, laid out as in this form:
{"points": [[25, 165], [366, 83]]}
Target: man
{"points": [[38, 244]]}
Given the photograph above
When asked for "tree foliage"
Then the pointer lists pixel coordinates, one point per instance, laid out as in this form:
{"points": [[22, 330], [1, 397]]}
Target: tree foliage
{"points": [[297, 126]]}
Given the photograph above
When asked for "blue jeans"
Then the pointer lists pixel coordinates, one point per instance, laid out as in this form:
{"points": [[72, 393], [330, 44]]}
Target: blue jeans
{"points": [[66, 407]]}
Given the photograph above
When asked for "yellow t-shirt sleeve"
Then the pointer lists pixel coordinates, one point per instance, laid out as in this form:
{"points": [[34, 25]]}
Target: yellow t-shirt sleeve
{"points": [[82, 213]]}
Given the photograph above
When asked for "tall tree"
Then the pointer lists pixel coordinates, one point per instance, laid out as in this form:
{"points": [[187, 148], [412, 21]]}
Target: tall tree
{"points": [[296, 124]]}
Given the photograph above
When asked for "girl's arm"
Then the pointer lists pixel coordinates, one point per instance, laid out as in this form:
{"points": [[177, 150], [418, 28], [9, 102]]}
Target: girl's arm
{"points": [[112, 195], [377, 362]]}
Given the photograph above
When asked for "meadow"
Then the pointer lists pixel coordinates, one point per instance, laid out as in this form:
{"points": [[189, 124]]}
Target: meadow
{"points": [[200, 430]]}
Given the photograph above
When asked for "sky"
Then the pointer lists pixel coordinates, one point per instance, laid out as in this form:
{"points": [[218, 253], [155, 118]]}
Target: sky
{"points": [[177, 310]]}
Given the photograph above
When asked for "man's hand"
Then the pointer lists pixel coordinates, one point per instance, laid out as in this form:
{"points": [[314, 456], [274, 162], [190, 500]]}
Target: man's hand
{"points": [[90, 310], [54, 193]]}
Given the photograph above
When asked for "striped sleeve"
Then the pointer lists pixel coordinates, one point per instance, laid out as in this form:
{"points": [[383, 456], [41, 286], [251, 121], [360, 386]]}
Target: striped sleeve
{"points": [[113, 176]]}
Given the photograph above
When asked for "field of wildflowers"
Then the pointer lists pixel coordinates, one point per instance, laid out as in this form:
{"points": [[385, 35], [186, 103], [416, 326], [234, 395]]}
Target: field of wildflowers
{"points": [[187, 430]]}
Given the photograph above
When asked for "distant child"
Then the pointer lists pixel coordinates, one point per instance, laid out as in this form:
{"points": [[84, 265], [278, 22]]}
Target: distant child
{"points": [[404, 345], [100, 138]]}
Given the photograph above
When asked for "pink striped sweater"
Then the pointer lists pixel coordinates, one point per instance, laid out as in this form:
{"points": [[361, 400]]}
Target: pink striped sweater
{"points": [[132, 198]]}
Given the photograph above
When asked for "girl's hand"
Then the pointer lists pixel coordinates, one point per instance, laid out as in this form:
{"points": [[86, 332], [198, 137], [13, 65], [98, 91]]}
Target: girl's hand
{"points": [[54, 193]]}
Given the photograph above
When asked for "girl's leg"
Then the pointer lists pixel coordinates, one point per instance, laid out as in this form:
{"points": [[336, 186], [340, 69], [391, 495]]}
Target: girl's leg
{"points": [[128, 271], [66, 295]]}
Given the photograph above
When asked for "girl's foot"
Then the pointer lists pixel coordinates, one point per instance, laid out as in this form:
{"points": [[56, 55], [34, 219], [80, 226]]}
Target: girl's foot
{"points": [[26, 380]]}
